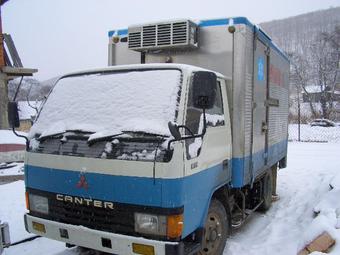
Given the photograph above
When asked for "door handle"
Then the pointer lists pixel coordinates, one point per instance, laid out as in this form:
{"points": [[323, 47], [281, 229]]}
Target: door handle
{"points": [[264, 127]]}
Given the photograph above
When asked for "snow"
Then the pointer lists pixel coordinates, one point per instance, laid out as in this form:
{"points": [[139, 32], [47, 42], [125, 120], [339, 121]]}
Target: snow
{"points": [[329, 202], [12, 209], [129, 101], [313, 89], [8, 137], [11, 169], [335, 183], [283, 230]]}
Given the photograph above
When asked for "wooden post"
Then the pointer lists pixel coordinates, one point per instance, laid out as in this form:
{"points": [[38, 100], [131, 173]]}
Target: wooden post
{"points": [[3, 82], [2, 56]]}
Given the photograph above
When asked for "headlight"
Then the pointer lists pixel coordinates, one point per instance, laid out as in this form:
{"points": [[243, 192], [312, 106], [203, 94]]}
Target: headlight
{"points": [[38, 204], [161, 225], [150, 224]]}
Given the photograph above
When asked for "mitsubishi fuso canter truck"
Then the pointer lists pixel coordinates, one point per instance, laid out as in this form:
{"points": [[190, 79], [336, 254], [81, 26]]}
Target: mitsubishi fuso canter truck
{"points": [[166, 150]]}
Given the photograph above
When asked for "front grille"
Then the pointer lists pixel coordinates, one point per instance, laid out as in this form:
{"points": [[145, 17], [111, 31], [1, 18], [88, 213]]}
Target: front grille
{"points": [[119, 220], [123, 149], [116, 221]]}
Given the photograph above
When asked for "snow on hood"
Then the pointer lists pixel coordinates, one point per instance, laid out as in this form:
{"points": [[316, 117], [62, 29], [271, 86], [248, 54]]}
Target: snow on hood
{"points": [[111, 103]]}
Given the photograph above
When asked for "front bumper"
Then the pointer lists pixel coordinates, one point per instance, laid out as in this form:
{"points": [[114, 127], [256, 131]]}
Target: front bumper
{"points": [[100, 240]]}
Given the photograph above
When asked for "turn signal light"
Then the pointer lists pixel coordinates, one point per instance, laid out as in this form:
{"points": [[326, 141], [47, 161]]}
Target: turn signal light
{"points": [[27, 201], [175, 226]]}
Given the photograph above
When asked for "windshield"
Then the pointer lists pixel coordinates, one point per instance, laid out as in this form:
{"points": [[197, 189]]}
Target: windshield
{"points": [[111, 103]]}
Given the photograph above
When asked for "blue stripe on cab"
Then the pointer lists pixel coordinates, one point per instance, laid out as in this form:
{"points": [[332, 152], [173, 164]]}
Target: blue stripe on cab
{"points": [[193, 192]]}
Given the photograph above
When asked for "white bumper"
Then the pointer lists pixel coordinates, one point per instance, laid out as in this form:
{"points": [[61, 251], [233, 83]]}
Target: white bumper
{"points": [[85, 237]]}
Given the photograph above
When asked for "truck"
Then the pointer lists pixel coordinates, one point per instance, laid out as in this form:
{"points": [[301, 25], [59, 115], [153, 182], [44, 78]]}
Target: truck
{"points": [[168, 149]]}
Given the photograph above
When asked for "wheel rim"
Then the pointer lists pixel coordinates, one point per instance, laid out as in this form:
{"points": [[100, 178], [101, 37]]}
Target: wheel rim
{"points": [[212, 235]]}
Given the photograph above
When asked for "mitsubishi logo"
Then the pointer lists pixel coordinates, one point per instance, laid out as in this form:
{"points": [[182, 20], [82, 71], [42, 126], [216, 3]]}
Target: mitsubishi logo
{"points": [[82, 183]]}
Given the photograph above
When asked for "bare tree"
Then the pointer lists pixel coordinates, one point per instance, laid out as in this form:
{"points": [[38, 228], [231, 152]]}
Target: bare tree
{"points": [[300, 78], [318, 66], [326, 56]]}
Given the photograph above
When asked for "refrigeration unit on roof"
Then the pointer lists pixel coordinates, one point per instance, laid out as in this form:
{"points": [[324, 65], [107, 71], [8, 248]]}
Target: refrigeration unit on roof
{"points": [[165, 35]]}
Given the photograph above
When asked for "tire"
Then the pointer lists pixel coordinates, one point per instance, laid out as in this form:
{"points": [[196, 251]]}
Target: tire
{"points": [[267, 191], [216, 230]]}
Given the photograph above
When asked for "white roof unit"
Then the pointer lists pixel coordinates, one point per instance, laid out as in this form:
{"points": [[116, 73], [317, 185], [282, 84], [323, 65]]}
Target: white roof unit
{"points": [[164, 35]]}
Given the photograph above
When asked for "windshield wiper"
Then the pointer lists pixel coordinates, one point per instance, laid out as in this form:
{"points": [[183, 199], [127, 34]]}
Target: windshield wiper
{"points": [[140, 135], [143, 134], [102, 138], [73, 133]]}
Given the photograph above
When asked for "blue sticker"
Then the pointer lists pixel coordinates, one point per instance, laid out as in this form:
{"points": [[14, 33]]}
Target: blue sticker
{"points": [[260, 69]]}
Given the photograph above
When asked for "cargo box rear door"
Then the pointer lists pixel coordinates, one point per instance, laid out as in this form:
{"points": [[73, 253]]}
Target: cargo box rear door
{"points": [[260, 130]]}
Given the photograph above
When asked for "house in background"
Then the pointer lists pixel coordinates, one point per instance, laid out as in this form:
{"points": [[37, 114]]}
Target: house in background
{"points": [[314, 94], [27, 112]]}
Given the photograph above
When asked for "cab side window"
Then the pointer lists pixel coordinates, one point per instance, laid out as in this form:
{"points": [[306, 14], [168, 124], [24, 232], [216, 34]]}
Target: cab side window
{"points": [[194, 120]]}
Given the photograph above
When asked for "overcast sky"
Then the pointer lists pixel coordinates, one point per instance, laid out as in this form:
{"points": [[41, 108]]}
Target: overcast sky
{"points": [[66, 35]]}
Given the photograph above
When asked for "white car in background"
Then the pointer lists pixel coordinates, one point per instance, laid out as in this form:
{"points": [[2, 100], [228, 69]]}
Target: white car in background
{"points": [[323, 123]]}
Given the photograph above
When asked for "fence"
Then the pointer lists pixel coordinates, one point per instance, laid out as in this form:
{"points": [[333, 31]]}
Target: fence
{"points": [[308, 133]]}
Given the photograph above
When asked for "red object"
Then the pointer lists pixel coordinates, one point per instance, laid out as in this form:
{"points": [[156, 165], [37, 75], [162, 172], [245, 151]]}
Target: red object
{"points": [[12, 147], [82, 182]]}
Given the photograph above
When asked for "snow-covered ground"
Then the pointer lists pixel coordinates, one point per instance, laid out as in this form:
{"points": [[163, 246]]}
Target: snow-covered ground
{"points": [[303, 187], [15, 168]]}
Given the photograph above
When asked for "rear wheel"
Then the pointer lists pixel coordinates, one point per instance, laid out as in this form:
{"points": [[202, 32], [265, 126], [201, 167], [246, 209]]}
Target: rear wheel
{"points": [[267, 188], [216, 230]]}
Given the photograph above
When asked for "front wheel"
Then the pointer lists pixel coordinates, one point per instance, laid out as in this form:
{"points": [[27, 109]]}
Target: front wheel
{"points": [[216, 230]]}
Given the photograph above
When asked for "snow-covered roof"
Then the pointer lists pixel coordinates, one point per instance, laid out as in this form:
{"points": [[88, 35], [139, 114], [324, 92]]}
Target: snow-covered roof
{"points": [[313, 89], [26, 109], [183, 67], [316, 89], [8, 137]]}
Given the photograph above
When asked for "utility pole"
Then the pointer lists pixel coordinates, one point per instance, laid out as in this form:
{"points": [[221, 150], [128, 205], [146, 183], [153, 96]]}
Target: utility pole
{"points": [[10, 68]]}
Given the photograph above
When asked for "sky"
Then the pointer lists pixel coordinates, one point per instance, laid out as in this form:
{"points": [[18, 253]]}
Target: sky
{"points": [[62, 36]]}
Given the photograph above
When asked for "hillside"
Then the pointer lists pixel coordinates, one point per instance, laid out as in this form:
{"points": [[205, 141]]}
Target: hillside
{"points": [[294, 33]]}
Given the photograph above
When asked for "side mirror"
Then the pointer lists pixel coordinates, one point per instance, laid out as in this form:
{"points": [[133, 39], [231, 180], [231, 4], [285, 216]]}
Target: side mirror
{"points": [[204, 89], [174, 130], [13, 114]]}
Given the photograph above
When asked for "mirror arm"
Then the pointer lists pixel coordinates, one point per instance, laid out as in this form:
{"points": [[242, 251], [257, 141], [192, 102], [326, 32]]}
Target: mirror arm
{"points": [[192, 136], [22, 136], [186, 128], [204, 123], [185, 138]]}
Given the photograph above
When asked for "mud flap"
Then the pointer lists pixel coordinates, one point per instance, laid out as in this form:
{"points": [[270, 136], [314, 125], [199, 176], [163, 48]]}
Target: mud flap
{"points": [[5, 240]]}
